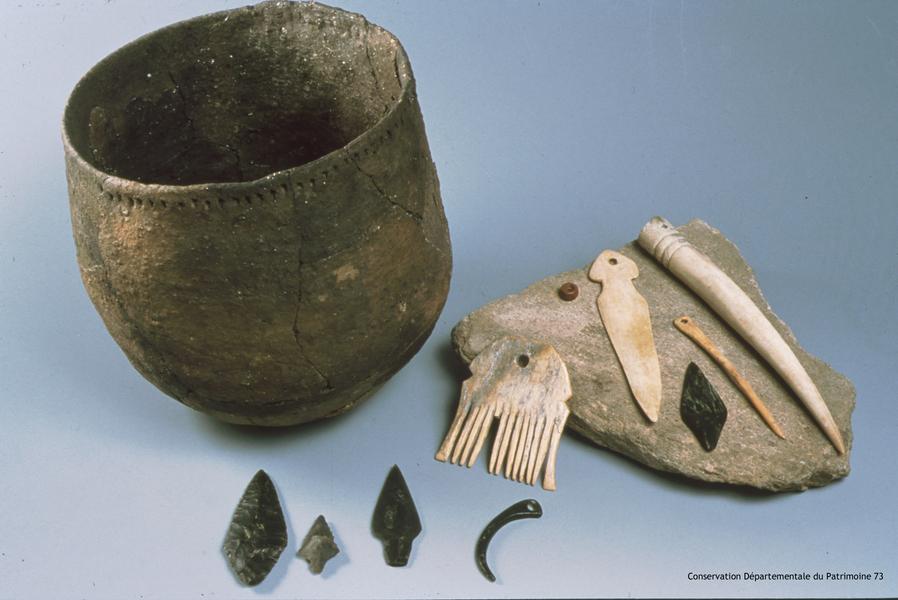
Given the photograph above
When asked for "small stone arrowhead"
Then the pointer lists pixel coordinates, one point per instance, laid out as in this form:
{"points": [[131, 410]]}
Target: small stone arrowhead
{"points": [[701, 407], [395, 522], [318, 547], [257, 534]]}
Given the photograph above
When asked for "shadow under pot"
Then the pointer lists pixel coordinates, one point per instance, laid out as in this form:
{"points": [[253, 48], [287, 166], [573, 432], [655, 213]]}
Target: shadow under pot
{"points": [[256, 213]]}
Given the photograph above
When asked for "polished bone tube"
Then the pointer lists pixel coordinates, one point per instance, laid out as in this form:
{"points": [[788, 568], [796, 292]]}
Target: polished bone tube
{"points": [[702, 276]]}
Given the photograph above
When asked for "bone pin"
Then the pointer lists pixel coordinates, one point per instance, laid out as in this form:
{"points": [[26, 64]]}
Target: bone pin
{"points": [[693, 332], [526, 386], [699, 273]]}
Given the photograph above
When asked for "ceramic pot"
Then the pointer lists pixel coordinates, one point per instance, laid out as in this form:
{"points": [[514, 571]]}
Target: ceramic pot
{"points": [[256, 213]]}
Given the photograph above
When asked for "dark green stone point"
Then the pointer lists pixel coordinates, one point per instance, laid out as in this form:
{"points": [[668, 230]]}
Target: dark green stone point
{"points": [[701, 408], [395, 522]]}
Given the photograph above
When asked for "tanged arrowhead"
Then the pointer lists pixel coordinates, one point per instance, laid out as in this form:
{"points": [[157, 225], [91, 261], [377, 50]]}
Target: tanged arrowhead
{"points": [[257, 534], [395, 522], [318, 547]]}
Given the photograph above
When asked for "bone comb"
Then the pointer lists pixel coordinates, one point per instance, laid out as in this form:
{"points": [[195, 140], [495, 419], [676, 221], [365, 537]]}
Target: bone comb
{"points": [[526, 386]]}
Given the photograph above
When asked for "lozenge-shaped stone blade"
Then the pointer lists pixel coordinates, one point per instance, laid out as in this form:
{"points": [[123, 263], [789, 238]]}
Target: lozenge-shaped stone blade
{"points": [[395, 522], [257, 534], [701, 407], [318, 547]]}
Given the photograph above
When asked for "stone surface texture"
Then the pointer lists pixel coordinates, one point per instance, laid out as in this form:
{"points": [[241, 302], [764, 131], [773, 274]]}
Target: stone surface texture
{"points": [[602, 409], [258, 533], [256, 214]]}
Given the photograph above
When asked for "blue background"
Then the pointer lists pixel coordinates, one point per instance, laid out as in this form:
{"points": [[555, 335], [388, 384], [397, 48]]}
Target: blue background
{"points": [[558, 129]]}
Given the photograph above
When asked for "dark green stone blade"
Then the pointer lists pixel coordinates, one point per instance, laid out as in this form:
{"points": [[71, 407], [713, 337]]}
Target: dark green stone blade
{"points": [[395, 522], [701, 408], [318, 547], [257, 534]]}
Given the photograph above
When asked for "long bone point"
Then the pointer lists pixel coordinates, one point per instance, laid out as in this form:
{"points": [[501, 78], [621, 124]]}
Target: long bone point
{"points": [[662, 240]]}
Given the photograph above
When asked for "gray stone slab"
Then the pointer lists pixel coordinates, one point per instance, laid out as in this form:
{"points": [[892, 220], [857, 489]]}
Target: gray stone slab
{"points": [[603, 409]]}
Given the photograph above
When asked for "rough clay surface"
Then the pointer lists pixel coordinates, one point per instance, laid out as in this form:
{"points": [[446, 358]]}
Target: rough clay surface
{"points": [[256, 284], [603, 410]]}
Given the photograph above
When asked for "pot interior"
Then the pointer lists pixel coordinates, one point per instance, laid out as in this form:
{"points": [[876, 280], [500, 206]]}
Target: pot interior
{"points": [[236, 95]]}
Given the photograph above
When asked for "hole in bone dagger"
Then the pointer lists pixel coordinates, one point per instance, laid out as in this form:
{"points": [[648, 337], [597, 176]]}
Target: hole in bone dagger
{"points": [[612, 261], [523, 360]]}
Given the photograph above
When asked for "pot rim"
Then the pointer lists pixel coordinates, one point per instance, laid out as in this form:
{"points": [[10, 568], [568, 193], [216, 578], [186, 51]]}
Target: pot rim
{"points": [[114, 183]]}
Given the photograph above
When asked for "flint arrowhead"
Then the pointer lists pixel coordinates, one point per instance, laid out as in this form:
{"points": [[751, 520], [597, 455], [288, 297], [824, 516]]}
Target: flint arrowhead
{"points": [[395, 522], [257, 534], [318, 547]]}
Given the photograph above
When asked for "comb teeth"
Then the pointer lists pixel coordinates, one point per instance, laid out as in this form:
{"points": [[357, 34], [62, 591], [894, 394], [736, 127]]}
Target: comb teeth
{"points": [[503, 441], [525, 387], [535, 459], [500, 433], [465, 434], [521, 446], [513, 446], [484, 427], [542, 452]]}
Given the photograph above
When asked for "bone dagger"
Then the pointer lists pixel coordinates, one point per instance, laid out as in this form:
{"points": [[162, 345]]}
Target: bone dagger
{"points": [[625, 315]]}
